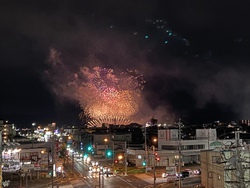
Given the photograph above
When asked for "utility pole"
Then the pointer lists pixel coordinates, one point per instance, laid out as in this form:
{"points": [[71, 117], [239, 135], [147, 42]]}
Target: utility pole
{"points": [[52, 160], [179, 151], [146, 149], [99, 179], [126, 160], [154, 165], [113, 156], [235, 171], [239, 169]]}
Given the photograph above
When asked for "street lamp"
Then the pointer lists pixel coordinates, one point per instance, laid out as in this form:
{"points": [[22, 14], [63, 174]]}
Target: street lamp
{"points": [[105, 141], [154, 141], [32, 132], [120, 157]]}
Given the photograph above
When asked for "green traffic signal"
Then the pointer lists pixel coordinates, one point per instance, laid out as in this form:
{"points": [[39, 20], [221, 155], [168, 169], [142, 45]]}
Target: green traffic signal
{"points": [[89, 148], [109, 153], [144, 163]]}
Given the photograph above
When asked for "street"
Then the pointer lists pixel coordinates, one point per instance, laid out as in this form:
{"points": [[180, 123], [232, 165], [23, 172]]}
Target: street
{"points": [[88, 179]]}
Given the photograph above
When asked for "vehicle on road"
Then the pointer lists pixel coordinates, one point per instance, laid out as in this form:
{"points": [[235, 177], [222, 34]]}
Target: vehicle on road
{"points": [[185, 174], [170, 171], [171, 178], [189, 171], [197, 172]]}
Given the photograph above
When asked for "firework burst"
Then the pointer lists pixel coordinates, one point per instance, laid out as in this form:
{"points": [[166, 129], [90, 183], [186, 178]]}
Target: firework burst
{"points": [[108, 98]]}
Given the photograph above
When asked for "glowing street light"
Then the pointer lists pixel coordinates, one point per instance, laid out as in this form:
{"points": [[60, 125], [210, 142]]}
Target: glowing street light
{"points": [[157, 158], [105, 140], [120, 157]]}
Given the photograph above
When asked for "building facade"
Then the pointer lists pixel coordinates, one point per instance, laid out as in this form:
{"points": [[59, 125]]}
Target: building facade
{"points": [[8, 130]]}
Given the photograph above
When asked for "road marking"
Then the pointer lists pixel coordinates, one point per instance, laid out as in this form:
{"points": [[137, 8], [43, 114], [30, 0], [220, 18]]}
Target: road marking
{"points": [[126, 182]]}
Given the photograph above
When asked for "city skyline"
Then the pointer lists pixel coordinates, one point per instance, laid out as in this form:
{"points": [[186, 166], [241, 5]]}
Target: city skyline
{"points": [[194, 57]]}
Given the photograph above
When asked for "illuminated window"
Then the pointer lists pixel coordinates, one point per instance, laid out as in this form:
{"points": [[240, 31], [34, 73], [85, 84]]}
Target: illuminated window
{"points": [[210, 174], [219, 177]]}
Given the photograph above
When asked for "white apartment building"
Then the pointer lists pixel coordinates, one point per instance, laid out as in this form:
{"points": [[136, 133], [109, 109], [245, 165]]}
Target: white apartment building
{"points": [[168, 148]]}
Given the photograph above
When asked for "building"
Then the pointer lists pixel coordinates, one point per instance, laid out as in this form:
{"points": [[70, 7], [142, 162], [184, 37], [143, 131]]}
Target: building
{"points": [[226, 165], [168, 148], [168, 139], [8, 130]]}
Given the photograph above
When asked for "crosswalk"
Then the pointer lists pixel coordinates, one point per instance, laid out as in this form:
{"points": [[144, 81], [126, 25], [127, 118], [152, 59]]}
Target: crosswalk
{"points": [[94, 177], [150, 179], [77, 183]]}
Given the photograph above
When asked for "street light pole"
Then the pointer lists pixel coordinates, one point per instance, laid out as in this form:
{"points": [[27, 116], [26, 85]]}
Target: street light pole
{"points": [[32, 132], [105, 141]]}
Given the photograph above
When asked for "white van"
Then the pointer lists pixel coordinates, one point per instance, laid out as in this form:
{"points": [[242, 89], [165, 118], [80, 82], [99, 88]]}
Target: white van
{"points": [[170, 174], [171, 178]]}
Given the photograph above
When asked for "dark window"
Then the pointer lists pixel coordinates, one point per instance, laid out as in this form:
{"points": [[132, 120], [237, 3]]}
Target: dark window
{"points": [[216, 159], [183, 147]]}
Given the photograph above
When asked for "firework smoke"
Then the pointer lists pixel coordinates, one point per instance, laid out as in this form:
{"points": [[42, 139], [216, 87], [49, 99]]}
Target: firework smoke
{"points": [[103, 95]]}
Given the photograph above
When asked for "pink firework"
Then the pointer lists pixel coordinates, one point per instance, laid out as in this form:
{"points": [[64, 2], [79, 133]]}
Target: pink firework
{"points": [[106, 97]]}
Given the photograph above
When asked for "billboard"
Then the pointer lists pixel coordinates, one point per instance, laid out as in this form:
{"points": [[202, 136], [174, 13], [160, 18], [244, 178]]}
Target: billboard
{"points": [[34, 160]]}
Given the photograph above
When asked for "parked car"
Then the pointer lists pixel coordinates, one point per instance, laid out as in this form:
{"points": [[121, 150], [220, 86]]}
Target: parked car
{"points": [[164, 175], [185, 174], [197, 171], [171, 178], [189, 171]]}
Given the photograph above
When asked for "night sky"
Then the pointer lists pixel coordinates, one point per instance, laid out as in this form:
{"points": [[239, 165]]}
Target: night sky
{"points": [[194, 55]]}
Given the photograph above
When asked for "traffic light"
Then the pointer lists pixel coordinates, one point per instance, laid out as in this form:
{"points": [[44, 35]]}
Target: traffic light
{"points": [[157, 158], [156, 155], [108, 153], [116, 161], [144, 163], [85, 156], [89, 148]]}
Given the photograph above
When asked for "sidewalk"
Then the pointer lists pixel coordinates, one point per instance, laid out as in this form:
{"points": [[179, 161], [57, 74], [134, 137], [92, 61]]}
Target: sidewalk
{"points": [[43, 182]]}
